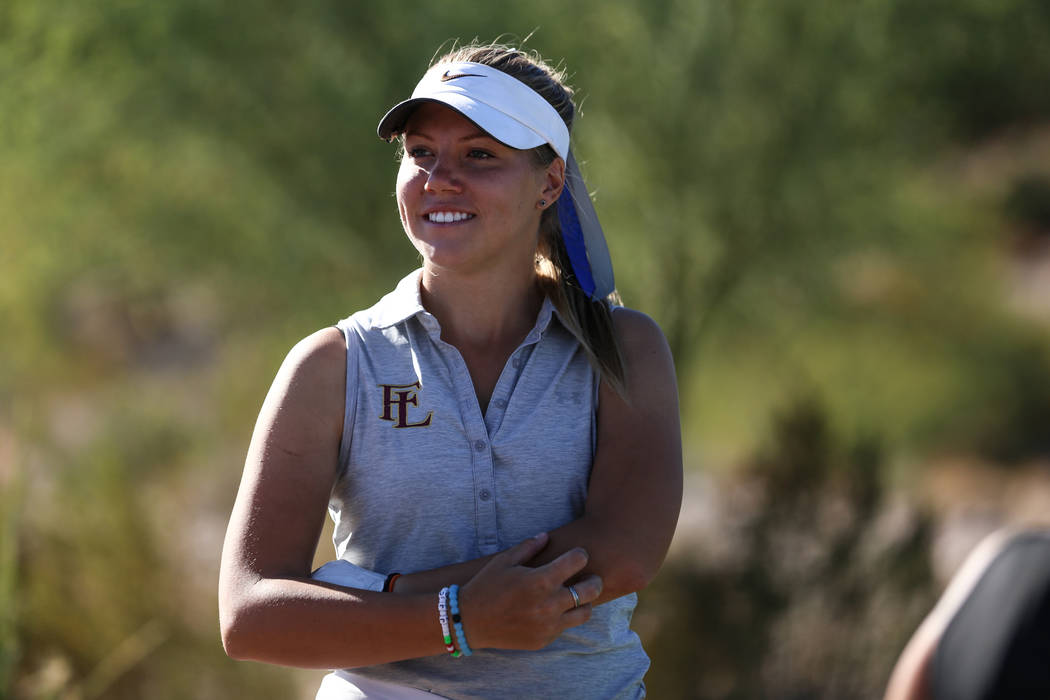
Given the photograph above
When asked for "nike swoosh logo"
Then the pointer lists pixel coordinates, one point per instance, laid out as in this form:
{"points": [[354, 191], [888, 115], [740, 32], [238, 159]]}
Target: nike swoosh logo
{"points": [[449, 75]]}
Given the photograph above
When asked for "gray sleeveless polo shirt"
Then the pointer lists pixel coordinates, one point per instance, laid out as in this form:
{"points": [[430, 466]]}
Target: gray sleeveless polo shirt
{"points": [[427, 480]]}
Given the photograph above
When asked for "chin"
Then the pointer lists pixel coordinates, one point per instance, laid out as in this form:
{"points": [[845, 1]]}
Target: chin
{"points": [[448, 257], [444, 251]]}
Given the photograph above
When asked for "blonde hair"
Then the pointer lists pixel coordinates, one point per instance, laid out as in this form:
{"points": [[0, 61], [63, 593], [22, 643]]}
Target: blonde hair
{"points": [[589, 320]]}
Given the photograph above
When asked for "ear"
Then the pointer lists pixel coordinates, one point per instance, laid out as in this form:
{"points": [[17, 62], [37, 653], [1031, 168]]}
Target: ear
{"points": [[553, 180]]}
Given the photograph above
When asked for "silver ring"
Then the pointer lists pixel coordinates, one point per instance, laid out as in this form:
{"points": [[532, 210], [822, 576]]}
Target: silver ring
{"points": [[575, 597]]}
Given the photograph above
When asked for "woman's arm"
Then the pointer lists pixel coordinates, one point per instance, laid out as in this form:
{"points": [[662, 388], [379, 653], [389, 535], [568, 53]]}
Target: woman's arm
{"points": [[635, 490], [270, 610]]}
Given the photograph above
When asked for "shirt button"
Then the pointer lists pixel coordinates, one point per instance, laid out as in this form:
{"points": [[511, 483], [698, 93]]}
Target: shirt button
{"points": [[479, 445], [517, 362], [500, 403], [484, 494]]}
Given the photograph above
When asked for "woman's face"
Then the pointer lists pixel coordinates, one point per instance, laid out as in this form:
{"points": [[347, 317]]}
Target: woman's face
{"points": [[468, 202]]}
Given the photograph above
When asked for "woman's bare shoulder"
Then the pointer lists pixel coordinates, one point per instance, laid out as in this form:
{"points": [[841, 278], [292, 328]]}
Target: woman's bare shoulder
{"points": [[310, 385], [324, 347], [318, 358], [640, 336]]}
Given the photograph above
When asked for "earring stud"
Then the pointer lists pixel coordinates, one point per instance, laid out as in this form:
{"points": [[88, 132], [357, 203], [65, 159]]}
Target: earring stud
{"points": [[543, 203]]}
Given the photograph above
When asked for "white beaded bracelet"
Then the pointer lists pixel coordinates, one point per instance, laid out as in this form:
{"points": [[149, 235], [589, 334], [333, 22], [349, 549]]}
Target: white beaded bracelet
{"points": [[443, 619]]}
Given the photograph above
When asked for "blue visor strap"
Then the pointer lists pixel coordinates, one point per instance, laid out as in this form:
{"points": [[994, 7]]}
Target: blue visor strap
{"points": [[582, 233]]}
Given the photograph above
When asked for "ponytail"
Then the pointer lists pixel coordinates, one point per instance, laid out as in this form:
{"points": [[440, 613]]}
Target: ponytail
{"points": [[589, 320]]}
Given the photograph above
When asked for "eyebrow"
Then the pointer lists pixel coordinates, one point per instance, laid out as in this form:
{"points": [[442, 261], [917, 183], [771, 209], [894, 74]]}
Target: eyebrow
{"points": [[479, 134]]}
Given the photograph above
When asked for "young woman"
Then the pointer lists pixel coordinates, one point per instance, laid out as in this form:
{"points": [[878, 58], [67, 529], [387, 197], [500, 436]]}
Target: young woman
{"points": [[497, 442]]}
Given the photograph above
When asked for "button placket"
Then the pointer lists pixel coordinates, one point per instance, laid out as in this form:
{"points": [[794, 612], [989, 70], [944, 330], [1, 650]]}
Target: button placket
{"points": [[480, 429], [484, 503], [485, 523]]}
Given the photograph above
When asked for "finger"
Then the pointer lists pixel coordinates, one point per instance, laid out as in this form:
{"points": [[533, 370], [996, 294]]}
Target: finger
{"points": [[587, 590], [566, 566], [526, 549], [576, 616], [591, 588]]}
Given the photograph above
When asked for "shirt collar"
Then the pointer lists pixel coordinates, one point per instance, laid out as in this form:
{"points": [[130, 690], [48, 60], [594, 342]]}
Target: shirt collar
{"points": [[402, 303], [406, 301]]}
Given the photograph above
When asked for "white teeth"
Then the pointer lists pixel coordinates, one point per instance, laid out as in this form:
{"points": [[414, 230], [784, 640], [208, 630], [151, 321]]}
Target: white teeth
{"points": [[448, 217]]}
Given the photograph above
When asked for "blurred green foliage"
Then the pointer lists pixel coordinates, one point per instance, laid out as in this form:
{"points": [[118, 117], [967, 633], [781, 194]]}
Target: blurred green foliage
{"points": [[187, 188], [815, 600], [1028, 203]]}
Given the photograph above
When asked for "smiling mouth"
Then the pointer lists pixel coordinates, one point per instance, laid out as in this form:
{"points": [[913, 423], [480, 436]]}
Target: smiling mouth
{"points": [[447, 217]]}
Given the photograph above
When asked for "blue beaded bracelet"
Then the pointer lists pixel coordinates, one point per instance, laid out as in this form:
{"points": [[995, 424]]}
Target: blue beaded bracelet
{"points": [[457, 621]]}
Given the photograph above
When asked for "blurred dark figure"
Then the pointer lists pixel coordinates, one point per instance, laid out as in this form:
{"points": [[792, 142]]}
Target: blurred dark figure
{"points": [[989, 635]]}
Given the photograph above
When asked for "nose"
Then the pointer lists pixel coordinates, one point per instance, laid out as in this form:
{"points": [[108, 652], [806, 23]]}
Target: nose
{"points": [[443, 177]]}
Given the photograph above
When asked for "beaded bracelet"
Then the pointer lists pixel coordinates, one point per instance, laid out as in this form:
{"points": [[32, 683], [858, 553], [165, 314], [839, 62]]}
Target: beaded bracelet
{"points": [[443, 619], [457, 621]]}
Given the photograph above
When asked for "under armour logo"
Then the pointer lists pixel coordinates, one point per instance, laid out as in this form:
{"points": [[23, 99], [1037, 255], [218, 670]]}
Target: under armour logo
{"points": [[396, 399], [449, 75]]}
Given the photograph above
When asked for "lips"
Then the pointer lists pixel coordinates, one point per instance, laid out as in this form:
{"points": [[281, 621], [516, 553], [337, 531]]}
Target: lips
{"points": [[447, 217]]}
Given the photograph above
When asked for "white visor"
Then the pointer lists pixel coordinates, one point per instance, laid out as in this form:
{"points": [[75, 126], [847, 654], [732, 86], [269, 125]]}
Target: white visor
{"points": [[506, 108]]}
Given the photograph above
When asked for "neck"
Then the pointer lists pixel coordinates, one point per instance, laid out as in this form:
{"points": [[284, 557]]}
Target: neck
{"points": [[490, 309]]}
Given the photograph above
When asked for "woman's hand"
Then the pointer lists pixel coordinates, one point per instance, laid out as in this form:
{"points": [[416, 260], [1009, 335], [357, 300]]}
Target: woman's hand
{"points": [[510, 606]]}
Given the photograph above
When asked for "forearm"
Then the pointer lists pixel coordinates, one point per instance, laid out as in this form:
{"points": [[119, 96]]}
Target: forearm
{"points": [[621, 569], [300, 622], [308, 624], [433, 580], [625, 557], [624, 566]]}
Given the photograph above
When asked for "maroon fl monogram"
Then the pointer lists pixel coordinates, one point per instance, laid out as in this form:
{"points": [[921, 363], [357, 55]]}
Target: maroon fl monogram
{"points": [[396, 398]]}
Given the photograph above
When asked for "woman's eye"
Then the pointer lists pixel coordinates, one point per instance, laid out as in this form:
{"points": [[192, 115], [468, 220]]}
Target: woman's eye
{"points": [[479, 154], [417, 152]]}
